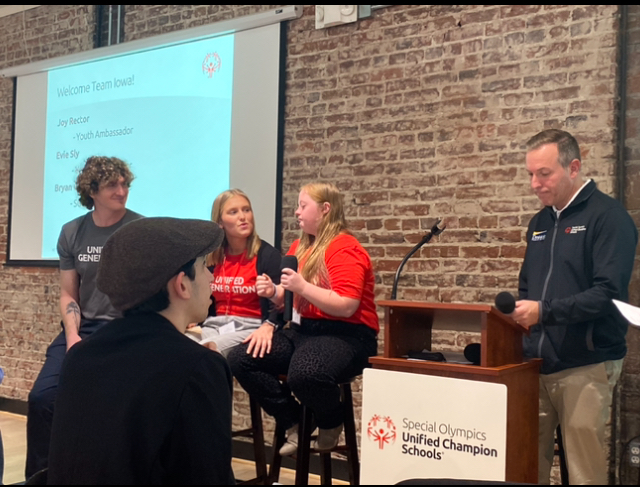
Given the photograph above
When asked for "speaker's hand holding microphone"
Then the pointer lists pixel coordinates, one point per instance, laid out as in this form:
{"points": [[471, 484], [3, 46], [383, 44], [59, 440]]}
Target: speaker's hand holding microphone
{"points": [[525, 312], [290, 279], [505, 302], [292, 282]]}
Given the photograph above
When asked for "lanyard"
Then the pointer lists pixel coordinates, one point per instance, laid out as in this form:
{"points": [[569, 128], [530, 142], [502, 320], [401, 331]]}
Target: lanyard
{"points": [[238, 267]]}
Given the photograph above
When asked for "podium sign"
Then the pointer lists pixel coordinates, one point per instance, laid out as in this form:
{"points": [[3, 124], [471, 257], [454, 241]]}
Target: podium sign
{"points": [[422, 426]]}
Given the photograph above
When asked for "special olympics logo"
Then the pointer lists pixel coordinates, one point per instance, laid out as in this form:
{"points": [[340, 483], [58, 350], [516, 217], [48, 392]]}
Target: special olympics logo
{"points": [[381, 430], [211, 64]]}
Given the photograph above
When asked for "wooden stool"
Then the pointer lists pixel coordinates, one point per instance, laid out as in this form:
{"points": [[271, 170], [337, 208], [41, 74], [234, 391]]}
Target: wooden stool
{"points": [[305, 428], [256, 433]]}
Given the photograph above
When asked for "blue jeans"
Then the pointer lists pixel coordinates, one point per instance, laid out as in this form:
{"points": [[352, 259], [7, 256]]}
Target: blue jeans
{"points": [[43, 396]]}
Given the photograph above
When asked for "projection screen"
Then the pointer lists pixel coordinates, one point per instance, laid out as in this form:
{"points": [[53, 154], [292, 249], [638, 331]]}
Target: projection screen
{"points": [[193, 113]]}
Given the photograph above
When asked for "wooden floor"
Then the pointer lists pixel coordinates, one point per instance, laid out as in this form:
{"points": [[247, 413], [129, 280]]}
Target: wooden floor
{"points": [[13, 430]]}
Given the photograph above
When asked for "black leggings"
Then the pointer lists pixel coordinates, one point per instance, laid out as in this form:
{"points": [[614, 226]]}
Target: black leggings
{"points": [[315, 357]]}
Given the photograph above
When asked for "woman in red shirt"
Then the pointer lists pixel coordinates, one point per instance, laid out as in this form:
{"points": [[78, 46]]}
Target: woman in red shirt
{"points": [[238, 315], [334, 326]]}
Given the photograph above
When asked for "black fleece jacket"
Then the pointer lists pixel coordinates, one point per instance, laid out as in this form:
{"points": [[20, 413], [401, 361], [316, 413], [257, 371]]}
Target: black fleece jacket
{"points": [[574, 266]]}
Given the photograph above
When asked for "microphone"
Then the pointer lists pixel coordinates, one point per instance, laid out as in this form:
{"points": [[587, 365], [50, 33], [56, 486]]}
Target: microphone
{"points": [[288, 262], [505, 302], [437, 228]]}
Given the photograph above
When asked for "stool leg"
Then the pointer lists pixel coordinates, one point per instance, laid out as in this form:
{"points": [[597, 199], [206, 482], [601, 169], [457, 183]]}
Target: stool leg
{"points": [[304, 446], [325, 473], [564, 472], [258, 440], [276, 462], [350, 435]]}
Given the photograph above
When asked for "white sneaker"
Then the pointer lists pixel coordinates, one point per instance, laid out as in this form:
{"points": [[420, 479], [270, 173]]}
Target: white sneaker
{"points": [[327, 439], [291, 445]]}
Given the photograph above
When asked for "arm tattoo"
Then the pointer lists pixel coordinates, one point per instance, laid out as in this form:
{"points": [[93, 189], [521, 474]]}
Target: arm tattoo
{"points": [[74, 309]]}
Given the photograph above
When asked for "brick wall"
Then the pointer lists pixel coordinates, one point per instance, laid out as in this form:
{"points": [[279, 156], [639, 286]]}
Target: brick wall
{"points": [[29, 316], [421, 113], [629, 420], [417, 113]]}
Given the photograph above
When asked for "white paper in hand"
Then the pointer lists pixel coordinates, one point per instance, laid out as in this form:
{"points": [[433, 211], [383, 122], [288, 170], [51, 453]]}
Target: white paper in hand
{"points": [[631, 313]]}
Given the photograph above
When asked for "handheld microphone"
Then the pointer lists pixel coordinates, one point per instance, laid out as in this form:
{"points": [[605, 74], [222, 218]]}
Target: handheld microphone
{"points": [[505, 302], [288, 262], [437, 228]]}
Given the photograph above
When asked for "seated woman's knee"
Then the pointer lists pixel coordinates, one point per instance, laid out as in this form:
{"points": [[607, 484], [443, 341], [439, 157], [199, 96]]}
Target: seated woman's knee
{"points": [[238, 359]]}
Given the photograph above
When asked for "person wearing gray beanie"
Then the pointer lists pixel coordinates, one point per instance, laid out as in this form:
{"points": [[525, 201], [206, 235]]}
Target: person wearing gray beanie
{"points": [[132, 396]]}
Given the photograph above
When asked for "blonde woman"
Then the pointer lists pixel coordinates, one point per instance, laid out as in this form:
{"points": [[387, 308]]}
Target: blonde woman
{"points": [[238, 314], [335, 324]]}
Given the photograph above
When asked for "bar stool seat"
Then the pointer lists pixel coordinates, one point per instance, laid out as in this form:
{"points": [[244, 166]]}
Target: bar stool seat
{"points": [[303, 456]]}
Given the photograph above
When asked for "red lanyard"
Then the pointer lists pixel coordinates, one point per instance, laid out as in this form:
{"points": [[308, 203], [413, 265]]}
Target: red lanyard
{"points": [[238, 267]]}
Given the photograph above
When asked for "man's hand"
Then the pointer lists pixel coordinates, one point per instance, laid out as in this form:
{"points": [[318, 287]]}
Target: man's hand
{"points": [[211, 346], [527, 313]]}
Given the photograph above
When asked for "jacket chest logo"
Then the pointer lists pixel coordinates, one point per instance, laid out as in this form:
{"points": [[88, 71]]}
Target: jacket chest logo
{"points": [[575, 229], [539, 236]]}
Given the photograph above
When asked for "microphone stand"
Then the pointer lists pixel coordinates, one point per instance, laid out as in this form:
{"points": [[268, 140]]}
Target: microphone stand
{"points": [[435, 230]]}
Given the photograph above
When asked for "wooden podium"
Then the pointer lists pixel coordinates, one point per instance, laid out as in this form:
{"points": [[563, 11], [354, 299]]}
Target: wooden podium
{"points": [[409, 326]]}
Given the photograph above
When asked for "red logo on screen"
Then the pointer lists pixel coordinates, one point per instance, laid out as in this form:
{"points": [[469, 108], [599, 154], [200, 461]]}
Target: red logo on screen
{"points": [[211, 64], [381, 430]]}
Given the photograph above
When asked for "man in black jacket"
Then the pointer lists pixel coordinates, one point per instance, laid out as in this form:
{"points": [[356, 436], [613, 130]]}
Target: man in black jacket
{"points": [[580, 253], [138, 401]]}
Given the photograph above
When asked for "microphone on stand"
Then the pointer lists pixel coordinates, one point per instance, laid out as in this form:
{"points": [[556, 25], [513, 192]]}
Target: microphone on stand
{"points": [[437, 228], [288, 262]]}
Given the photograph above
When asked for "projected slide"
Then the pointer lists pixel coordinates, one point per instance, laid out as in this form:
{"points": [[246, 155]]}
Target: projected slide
{"points": [[193, 112], [168, 113]]}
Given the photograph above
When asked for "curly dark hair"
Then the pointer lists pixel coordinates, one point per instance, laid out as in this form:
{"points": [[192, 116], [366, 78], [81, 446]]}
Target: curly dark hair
{"points": [[98, 170]]}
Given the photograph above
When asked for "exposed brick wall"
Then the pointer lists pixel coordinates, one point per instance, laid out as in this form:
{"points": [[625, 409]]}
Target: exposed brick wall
{"points": [[29, 316], [417, 113], [629, 421], [422, 112], [143, 21]]}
